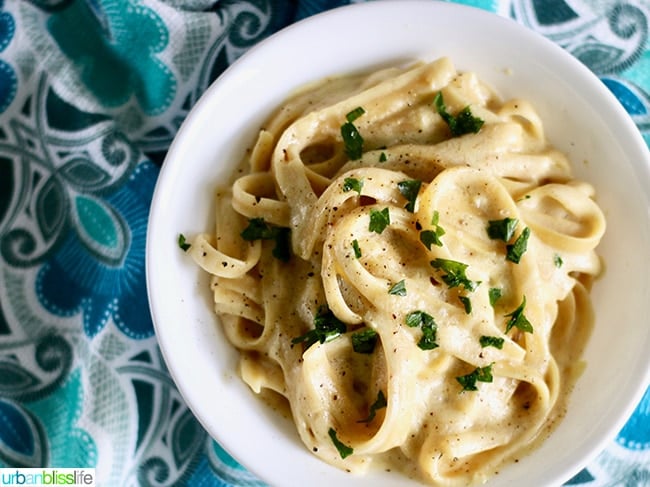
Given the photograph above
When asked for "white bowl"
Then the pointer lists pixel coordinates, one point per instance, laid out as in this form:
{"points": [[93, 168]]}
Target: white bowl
{"points": [[581, 118]]}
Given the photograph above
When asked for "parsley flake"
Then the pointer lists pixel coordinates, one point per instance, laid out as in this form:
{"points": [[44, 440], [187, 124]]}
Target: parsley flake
{"points": [[557, 260], [410, 189], [429, 238], [494, 294], [379, 403], [515, 251], [518, 320], [379, 220], [467, 304], [326, 328], [258, 229], [382, 157], [352, 139], [398, 289], [354, 114], [350, 184], [461, 124], [183, 243], [502, 229], [343, 449], [491, 341], [356, 248], [454, 273], [480, 374], [364, 341], [428, 326], [282, 249], [432, 237]]}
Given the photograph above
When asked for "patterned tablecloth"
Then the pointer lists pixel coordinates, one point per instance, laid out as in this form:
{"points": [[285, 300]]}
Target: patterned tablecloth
{"points": [[91, 95]]}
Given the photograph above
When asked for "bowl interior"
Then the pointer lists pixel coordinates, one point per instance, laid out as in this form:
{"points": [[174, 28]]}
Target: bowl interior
{"points": [[581, 118]]}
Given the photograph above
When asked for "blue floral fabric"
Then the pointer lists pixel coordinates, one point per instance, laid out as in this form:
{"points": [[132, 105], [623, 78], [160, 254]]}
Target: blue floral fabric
{"points": [[91, 95]]}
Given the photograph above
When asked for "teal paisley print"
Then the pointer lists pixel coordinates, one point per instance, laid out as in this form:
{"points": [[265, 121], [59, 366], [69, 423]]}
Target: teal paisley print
{"points": [[128, 44], [92, 93], [609, 37], [8, 78], [99, 270], [76, 446], [44, 387]]}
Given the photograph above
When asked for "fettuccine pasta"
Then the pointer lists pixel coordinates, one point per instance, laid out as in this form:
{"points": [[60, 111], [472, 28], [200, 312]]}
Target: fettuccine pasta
{"points": [[406, 262]]}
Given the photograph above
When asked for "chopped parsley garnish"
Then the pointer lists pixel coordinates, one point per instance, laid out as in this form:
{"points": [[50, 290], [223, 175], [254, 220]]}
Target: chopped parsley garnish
{"points": [[183, 243], [505, 230], [343, 449], [410, 189], [491, 341], [428, 339], [432, 237], [398, 289], [379, 403], [382, 157], [419, 318], [326, 328], [350, 184], [258, 229], [461, 124], [515, 251], [494, 294], [351, 136], [557, 260], [364, 341], [467, 304], [429, 238], [454, 273], [480, 374], [379, 220], [518, 320], [356, 248], [354, 114], [428, 326], [282, 249], [502, 229]]}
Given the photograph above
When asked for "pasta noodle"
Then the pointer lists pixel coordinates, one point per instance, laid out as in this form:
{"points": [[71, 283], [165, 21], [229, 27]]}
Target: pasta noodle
{"points": [[430, 307]]}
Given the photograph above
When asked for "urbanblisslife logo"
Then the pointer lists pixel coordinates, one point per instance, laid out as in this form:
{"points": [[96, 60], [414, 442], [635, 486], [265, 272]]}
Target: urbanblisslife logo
{"points": [[32, 477]]}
